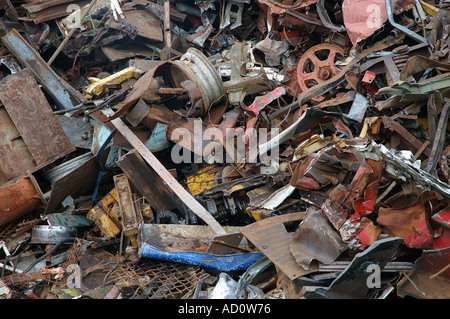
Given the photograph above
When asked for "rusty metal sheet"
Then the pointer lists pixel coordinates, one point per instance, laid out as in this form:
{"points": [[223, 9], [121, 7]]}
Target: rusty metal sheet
{"points": [[146, 182], [279, 7], [430, 278], [146, 23], [316, 239], [409, 138], [176, 237], [272, 238], [74, 183], [32, 115], [15, 158], [410, 223], [63, 94], [18, 199], [77, 130], [44, 11]]}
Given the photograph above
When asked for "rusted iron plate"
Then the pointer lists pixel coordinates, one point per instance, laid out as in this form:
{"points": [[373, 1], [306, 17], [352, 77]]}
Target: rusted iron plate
{"points": [[410, 223], [44, 11], [422, 281], [316, 239], [175, 237], [15, 158], [63, 94], [271, 237], [33, 117], [146, 23]]}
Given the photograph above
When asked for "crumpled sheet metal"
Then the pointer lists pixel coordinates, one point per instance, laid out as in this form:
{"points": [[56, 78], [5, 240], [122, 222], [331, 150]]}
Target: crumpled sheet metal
{"points": [[429, 279], [315, 239], [402, 167], [410, 223], [352, 282], [363, 18], [270, 236], [328, 166]]}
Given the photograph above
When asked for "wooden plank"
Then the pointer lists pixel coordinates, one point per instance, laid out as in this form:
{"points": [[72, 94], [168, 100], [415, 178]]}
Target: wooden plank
{"points": [[33, 117], [170, 181]]}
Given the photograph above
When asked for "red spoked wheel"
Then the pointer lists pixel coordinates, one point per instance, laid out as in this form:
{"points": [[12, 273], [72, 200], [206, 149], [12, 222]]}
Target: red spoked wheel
{"points": [[318, 65]]}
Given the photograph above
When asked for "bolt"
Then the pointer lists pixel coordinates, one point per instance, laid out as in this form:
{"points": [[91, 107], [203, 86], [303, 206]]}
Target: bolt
{"points": [[324, 74]]}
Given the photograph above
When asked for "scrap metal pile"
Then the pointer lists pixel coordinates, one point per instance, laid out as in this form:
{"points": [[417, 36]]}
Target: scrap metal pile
{"points": [[246, 149]]}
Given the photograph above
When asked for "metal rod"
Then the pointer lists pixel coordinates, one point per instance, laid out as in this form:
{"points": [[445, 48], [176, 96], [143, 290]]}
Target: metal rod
{"points": [[403, 29]]}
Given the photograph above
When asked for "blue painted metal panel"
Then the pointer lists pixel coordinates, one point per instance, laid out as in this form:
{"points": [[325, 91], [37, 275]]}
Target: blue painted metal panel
{"points": [[227, 263]]}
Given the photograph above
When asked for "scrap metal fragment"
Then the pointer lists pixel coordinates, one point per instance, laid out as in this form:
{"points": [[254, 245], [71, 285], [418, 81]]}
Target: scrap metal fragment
{"points": [[131, 218], [391, 124], [146, 23], [410, 223], [42, 135], [315, 239], [146, 182], [418, 64], [438, 143], [171, 182], [352, 282], [421, 281], [63, 94], [271, 237], [18, 199]]}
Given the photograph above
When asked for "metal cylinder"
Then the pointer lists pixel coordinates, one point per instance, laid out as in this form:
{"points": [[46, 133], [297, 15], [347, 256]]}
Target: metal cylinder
{"points": [[195, 67], [18, 199]]}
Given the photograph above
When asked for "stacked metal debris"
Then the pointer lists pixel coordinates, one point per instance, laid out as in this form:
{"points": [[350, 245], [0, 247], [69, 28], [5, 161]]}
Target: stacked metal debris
{"points": [[236, 149]]}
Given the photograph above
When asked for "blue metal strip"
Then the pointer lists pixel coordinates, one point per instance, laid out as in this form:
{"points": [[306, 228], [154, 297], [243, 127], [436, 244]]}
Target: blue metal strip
{"points": [[228, 263]]}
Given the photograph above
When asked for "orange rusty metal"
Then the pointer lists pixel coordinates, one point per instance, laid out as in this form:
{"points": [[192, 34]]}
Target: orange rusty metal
{"points": [[17, 200], [410, 223]]}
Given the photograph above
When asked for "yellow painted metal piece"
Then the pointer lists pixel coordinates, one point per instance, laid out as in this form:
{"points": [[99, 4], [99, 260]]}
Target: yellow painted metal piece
{"points": [[423, 122], [428, 8], [106, 215], [316, 142], [203, 181], [259, 213], [372, 124], [147, 212], [99, 85]]}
